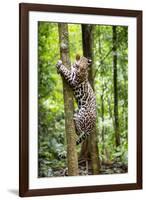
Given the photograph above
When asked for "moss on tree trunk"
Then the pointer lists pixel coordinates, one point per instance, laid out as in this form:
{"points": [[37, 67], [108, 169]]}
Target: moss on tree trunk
{"points": [[72, 160]]}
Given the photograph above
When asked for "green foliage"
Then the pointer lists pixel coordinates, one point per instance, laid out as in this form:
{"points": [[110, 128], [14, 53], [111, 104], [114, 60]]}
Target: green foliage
{"points": [[51, 125], [75, 40], [103, 67], [50, 99], [48, 52]]}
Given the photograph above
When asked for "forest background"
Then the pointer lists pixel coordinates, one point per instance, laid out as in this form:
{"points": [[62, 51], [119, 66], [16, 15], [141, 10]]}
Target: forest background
{"points": [[108, 48]]}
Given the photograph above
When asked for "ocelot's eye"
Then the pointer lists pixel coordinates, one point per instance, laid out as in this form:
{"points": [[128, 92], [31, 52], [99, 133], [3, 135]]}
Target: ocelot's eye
{"points": [[89, 61]]}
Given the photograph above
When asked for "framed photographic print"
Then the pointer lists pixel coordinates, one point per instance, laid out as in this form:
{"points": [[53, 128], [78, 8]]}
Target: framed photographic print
{"points": [[80, 99]]}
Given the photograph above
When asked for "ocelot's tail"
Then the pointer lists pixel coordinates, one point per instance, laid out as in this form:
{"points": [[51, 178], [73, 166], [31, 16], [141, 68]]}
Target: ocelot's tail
{"points": [[82, 137]]}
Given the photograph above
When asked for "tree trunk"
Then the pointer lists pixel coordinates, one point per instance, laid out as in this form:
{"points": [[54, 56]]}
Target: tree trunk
{"points": [[115, 83], [102, 117], [90, 146], [72, 159], [110, 111], [103, 89]]}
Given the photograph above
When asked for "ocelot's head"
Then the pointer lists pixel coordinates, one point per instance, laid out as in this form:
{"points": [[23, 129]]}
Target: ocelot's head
{"points": [[80, 67]]}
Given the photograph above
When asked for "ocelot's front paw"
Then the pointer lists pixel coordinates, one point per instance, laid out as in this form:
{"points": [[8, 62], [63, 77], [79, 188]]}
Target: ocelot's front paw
{"points": [[58, 65]]}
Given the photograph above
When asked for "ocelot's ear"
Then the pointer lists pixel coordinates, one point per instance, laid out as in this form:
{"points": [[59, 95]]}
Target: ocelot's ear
{"points": [[78, 57], [89, 61]]}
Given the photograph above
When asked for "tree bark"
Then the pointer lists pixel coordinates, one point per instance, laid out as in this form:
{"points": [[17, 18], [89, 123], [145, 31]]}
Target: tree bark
{"points": [[102, 117], [72, 160], [103, 90], [90, 146], [115, 83]]}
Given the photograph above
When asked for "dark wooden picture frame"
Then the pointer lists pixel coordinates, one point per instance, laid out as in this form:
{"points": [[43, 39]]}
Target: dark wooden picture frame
{"points": [[24, 9]]}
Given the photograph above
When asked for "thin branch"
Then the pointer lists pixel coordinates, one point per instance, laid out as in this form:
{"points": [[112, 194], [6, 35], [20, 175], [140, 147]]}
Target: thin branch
{"points": [[101, 62]]}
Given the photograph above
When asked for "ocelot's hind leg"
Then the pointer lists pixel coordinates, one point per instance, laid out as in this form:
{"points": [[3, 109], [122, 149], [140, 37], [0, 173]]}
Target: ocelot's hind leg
{"points": [[77, 125]]}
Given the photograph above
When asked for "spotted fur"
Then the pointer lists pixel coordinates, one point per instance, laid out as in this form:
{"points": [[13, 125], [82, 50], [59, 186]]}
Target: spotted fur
{"points": [[77, 78]]}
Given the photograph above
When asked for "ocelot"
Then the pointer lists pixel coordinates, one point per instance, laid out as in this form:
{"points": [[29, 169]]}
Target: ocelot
{"points": [[77, 78]]}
